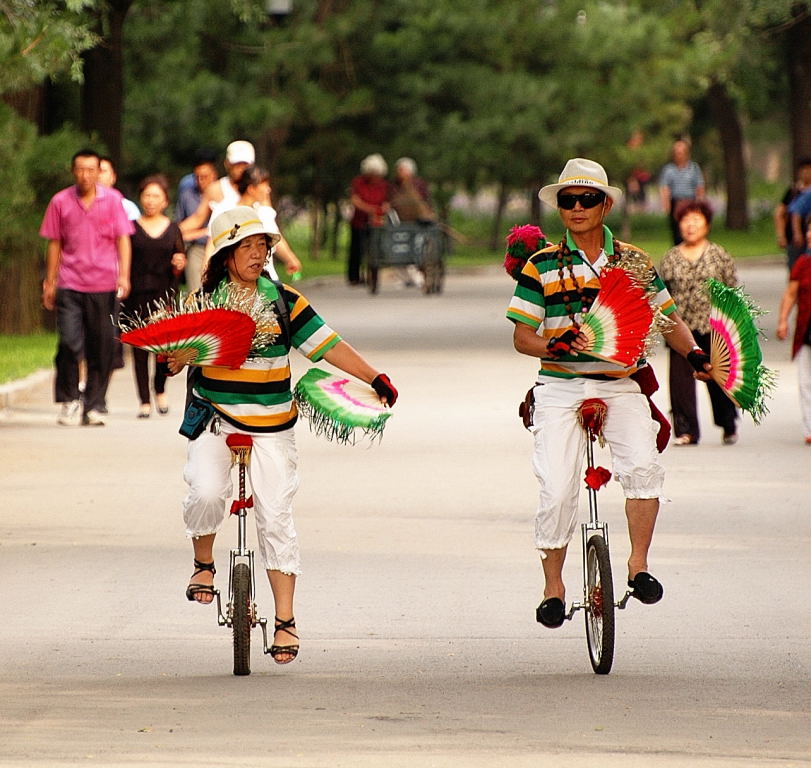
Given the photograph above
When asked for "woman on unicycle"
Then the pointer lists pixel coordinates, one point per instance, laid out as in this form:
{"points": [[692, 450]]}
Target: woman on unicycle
{"points": [[256, 400], [557, 286]]}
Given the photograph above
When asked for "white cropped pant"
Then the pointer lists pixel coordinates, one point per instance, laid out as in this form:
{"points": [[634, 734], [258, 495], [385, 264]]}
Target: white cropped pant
{"points": [[273, 481], [560, 445], [804, 376]]}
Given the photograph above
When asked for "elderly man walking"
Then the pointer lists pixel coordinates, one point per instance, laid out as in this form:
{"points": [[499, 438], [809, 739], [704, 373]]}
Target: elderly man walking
{"points": [[556, 286], [87, 267]]}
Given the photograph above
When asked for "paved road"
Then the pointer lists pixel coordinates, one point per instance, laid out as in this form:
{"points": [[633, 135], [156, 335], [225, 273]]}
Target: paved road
{"points": [[417, 605]]}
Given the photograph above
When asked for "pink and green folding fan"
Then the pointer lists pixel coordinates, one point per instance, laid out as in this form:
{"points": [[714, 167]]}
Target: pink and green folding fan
{"points": [[735, 354], [619, 323], [339, 408]]}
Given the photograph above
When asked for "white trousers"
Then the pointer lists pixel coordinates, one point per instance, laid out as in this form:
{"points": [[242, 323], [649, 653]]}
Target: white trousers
{"points": [[560, 445], [273, 481], [804, 377]]}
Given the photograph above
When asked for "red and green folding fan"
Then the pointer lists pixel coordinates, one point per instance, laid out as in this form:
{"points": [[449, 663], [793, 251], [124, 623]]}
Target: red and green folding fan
{"points": [[619, 324], [215, 336], [735, 354], [339, 408]]}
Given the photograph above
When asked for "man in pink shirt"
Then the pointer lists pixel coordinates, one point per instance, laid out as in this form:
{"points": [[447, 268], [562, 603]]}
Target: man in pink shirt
{"points": [[87, 266]]}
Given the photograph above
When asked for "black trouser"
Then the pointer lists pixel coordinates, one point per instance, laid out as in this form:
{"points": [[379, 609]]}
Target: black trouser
{"points": [[85, 329], [140, 303], [683, 396], [356, 249]]}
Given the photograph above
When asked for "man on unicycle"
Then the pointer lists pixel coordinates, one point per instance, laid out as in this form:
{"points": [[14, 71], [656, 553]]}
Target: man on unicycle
{"points": [[556, 287]]}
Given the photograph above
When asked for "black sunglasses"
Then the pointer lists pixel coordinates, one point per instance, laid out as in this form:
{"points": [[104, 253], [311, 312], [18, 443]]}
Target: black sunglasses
{"points": [[567, 201]]}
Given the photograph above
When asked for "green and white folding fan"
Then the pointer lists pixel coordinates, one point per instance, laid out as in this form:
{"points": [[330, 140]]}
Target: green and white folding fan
{"points": [[735, 354], [339, 408]]}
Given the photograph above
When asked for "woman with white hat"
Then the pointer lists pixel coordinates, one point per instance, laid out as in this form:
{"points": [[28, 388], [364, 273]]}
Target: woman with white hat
{"points": [[556, 285], [257, 400]]}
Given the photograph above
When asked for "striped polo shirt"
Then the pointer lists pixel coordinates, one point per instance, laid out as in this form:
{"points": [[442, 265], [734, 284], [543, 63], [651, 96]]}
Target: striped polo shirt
{"points": [[538, 302], [257, 397]]}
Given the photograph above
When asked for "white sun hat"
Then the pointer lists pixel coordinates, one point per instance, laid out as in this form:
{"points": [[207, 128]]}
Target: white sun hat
{"points": [[240, 152], [579, 172], [236, 224]]}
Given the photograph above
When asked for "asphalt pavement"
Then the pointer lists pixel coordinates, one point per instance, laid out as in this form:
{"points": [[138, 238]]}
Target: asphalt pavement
{"points": [[416, 607]]}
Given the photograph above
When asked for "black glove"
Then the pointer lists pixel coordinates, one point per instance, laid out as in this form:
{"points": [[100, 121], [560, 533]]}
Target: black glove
{"points": [[697, 358], [561, 345], [382, 385]]}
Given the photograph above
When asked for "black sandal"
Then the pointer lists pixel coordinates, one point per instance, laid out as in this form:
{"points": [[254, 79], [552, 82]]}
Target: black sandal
{"points": [[284, 650], [200, 589]]}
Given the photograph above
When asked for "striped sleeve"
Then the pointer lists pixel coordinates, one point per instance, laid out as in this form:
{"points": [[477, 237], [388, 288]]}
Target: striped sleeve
{"points": [[663, 298], [310, 335], [527, 304]]}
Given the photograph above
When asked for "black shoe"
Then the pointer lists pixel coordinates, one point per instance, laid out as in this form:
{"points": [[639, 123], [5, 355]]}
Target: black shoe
{"points": [[551, 612], [646, 588]]}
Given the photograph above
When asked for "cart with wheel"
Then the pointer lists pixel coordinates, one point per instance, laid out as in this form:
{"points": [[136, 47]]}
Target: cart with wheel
{"points": [[418, 243]]}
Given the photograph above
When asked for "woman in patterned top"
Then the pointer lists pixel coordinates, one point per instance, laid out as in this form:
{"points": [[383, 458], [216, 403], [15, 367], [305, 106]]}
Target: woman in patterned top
{"points": [[256, 399], [685, 269]]}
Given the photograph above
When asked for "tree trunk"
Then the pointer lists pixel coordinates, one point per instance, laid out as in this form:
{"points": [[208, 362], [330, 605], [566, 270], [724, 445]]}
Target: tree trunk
{"points": [[20, 295], [316, 227], [725, 116], [534, 208], [496, 235], [337, 220], [103, 89], [798, 51]]}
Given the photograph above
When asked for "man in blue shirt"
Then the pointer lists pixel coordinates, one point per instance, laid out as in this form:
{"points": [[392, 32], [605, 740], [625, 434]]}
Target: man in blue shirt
{"points": [[189, 193], [681, 179]]}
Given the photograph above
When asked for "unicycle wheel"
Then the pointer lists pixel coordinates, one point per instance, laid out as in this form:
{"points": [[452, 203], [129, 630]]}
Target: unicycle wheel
{"points": [[241, 618], [600, 605]]}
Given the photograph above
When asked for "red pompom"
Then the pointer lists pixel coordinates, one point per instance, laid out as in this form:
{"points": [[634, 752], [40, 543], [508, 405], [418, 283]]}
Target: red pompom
{"points": [[597, 477], [522, 242]]}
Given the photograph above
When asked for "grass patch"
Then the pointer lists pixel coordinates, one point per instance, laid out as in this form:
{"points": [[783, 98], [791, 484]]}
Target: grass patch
{"points": [[22, 355]]}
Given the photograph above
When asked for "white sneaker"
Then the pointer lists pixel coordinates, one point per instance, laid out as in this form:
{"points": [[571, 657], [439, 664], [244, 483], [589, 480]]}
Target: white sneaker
{"points": [[70, 414], [93, 419]]}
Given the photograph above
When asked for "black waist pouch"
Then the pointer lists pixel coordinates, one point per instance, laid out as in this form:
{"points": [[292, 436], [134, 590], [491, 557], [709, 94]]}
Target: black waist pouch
{"points": [[198, 414]]}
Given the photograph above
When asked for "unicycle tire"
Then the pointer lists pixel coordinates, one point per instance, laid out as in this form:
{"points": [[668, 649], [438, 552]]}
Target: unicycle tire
{"points": [[241, 618], [600, 605]]}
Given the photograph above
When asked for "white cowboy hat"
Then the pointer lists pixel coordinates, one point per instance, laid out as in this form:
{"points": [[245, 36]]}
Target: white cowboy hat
{"points": [[236, 224], [579, 172]]}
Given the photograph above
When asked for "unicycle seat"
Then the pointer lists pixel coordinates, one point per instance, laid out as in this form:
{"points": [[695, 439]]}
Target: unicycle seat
{"points": [[239, 440]]}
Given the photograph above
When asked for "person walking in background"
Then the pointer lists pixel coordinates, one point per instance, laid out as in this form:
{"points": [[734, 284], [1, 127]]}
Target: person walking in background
{"points": [[556, 285], [190, 192], [87, 268], [685, 269], [158, 259], [238, 156], [409, 193], [255, 192], [798, 293], [681, 179], [369, 194], [108, 177], [783, 229]]}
